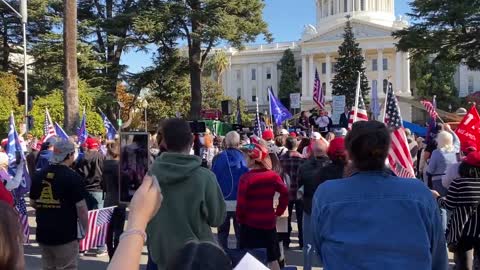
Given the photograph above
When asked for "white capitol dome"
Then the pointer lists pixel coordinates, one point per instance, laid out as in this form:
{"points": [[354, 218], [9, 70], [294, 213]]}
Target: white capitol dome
{"points": [[380, 12]]}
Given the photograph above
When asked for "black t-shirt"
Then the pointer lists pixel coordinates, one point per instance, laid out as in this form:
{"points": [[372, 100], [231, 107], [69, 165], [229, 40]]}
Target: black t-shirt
{"points": [[56, 190]]}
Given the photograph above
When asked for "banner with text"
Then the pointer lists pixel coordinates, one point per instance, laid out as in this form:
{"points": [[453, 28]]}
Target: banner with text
{"points": [[338, 107], [469, 129]]}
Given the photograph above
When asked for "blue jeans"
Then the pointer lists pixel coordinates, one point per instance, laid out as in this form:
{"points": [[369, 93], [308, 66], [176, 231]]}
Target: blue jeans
{"points": [[94, 200], [224, 230], [308, 246], [437, 186]]}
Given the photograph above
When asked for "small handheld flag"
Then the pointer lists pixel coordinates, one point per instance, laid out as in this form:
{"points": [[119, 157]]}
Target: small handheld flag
{"points": [[60, 132]]}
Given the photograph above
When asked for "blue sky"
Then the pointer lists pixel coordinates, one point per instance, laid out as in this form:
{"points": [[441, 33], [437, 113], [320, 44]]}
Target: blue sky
{"points": [[286, 19]]}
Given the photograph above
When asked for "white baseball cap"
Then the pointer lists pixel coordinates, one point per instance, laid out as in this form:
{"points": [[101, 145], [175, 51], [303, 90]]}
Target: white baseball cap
{"points": [[316, 136], [284, 132]]}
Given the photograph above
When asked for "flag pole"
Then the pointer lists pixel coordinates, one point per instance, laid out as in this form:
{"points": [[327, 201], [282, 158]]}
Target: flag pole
{"points": [[385, 101], [357, 97], [270, 94]]}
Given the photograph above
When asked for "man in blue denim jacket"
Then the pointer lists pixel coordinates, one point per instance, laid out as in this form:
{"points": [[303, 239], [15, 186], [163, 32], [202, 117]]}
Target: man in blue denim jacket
{"points": [[374, 220]]}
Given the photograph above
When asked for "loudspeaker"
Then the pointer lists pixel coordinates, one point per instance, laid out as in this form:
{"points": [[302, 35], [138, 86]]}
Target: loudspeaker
{"points": [[227, 107]]}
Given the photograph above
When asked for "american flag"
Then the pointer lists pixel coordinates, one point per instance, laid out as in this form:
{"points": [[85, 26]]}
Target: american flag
{"points": [[258, 125], [318, 94], [48, 128], [399, 157], [430, 108], [98, 222], [360, 113], [21, 207]]}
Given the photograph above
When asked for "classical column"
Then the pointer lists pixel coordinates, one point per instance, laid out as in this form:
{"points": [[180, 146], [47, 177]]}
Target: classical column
{"points": [[245, 91], [260, 79], [329, 7], [398, 71], [406, 73], [227, 82], [328, 74], [311, 75], [349, 5], [380, 70], [304, 76]]}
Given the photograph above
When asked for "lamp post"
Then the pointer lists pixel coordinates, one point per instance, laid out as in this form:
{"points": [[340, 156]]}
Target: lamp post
{"points": [[145, 106], [23, 15]]}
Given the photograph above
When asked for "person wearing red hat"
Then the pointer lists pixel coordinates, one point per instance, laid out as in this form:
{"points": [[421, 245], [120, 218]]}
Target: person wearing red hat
{"points": [[463, 199], [255, 213], [269, 138]]}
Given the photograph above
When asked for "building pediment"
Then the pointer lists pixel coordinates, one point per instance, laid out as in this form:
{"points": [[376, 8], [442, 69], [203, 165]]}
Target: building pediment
{"points": [[360, 30]]}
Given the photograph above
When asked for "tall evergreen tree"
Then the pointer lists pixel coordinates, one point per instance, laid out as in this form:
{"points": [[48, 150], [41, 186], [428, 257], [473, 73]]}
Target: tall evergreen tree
{"points": [[202, 24], [289, 78], [448, 29], [349, 63]]}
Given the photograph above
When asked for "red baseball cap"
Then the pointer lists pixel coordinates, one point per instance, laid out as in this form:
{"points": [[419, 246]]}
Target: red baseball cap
{"points": [[267, 135], [473, 159], [92, 143], [293, 134], [337, 148]]}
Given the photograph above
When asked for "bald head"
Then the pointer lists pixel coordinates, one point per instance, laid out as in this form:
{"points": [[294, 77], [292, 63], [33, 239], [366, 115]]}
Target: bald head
{"points": [[319, 148]]}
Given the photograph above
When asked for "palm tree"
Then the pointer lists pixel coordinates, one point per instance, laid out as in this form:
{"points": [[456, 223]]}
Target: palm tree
{"points": [[220, 63], [70, 79]]}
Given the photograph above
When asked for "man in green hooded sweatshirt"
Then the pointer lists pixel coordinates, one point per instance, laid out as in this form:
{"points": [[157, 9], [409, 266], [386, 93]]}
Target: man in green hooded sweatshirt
{"points": [[192, 200]]}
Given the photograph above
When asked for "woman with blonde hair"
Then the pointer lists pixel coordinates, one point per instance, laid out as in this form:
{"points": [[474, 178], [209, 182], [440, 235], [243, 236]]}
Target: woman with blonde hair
{"points": [[441, 158]]}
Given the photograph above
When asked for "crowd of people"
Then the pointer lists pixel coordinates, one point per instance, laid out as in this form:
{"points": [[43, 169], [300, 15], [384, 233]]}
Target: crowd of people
{"points": [[351, 211]]}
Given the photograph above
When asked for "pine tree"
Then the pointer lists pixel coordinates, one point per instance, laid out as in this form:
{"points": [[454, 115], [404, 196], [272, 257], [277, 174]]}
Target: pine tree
{"points": [[289, 78], [349, 63]]}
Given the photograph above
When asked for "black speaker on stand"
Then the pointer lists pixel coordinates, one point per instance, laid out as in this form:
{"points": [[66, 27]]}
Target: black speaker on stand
{"points": [[227, 107]]}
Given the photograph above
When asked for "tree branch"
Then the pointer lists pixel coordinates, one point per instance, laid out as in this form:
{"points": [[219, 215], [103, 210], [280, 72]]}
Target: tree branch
{"points": [[207, 51]]}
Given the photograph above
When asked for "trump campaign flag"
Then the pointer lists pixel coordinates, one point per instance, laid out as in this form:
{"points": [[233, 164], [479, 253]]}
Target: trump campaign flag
{"points": [[468, 131], [82, 130], [279, 112], [60, 132], [111, 131], [15, 155]]}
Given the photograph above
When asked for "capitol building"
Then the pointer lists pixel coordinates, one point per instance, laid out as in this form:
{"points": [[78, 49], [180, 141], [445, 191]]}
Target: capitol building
{"points": [[254, 69]]}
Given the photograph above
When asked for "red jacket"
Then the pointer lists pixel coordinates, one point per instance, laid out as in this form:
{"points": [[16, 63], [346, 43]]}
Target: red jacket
{"points": [[256, 190], [5, 195]]}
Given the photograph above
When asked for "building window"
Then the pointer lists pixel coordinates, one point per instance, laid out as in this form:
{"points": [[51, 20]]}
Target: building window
{"points": [[238, 75], [269, 73], [299, 72], [331, 7], [334, 67], [345, 5], [374, 85], [254, 94], [239, 92], [470, 84], [385, 63], [374, 65], [324, 68], [385, 85], [254, 74], [324, 86]]}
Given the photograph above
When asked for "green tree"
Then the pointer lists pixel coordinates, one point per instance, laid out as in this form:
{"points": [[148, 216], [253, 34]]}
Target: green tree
{"points": [[447, 29], [435, 77], [55, 105], [289, 78], [202, 24], [39, 22], [9, 88], [349, 63], [217, 63]]}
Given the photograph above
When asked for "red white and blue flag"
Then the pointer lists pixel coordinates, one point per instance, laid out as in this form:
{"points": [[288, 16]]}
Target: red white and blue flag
{"points": [[98, 223], [48, 128], [21, 207], [399, 157], [359, 111], [431, 108], [318, 92]]}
